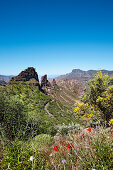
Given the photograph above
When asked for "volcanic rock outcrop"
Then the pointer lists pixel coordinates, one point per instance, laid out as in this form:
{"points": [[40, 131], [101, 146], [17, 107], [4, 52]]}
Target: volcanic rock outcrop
{"points": [[53, 83], [26, 75], [45, 82]]}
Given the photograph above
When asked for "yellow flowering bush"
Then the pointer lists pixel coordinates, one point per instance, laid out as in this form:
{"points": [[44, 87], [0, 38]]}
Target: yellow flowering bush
{"points": [[97, 100], [111, 122]]}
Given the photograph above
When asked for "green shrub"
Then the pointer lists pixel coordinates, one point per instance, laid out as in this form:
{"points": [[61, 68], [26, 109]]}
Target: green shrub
{"points": [[17, 155], [12, 118], [71, 128], [97, 100], [22, 112]]}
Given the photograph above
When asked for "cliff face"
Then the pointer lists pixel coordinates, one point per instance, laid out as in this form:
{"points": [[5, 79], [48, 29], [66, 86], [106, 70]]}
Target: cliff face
{"points": [[25, 75], [77, 73], [44, 81]]}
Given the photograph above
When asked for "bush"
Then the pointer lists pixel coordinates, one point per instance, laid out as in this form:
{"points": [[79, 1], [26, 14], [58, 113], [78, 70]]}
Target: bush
{"points": [[68, 129], [12, 118], [17, 156], [97, 100]]}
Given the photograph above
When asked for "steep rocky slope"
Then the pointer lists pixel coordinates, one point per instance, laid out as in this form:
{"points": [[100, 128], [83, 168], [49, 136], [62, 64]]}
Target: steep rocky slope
{"points": [[66, 91], [25, 75]]}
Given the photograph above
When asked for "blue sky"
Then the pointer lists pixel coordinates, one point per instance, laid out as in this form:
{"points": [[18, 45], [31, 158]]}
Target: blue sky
{"points": [[55, 36]]}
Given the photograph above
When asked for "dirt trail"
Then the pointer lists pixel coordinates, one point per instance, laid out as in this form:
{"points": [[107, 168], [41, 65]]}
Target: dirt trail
{"points": [[45, 108]]}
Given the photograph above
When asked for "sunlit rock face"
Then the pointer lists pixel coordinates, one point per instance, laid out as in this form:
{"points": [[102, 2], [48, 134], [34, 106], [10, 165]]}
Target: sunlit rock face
{"points": [[25, 75]]}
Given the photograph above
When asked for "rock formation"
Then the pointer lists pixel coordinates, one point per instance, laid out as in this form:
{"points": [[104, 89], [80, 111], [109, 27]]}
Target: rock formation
{"points": [[53, 83], [26, 75], [44, 81]]}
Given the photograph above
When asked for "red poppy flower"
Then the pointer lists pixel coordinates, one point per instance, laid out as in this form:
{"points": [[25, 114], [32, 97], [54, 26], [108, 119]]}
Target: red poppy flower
{"points": [[89, 129], [69, 145], [56, 148]]}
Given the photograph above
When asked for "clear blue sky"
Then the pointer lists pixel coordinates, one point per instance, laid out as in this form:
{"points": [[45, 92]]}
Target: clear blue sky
{"points": [[55, 36]]}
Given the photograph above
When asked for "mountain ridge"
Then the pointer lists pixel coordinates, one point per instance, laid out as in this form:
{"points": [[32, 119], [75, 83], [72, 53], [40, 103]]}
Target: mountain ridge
{"points": [[77, 73]]}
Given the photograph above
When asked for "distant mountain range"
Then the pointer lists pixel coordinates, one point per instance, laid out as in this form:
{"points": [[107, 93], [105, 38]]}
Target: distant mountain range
{"points": [[77, 74], [5, 78]]}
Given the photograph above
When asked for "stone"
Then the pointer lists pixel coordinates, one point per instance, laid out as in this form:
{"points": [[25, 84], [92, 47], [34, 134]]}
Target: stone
{"points": [[54, 83], [25, 75], [44, 82]]}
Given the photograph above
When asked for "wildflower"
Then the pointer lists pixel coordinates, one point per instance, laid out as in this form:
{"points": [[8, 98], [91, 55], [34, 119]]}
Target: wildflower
{"points": [[63, 161], [89, 129], [69, 145], [56, 148], [31, 158], [51, 154], [86, 147], [111, 122]]}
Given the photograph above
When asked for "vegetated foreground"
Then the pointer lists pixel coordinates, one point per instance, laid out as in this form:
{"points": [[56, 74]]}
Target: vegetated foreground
{"points": [[77, 137]]}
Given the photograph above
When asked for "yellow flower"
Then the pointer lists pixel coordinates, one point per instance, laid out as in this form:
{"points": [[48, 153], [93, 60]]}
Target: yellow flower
{"points": [[98, 75], [77, 109], [111, 122]]}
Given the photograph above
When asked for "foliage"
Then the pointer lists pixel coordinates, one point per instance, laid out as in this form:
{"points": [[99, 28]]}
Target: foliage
{"points": [[97, 100], [17, 154], [12, 118], [71, 128], [111, 122], [97, 154], [40, 140], [26, 130], [91, 150], [22, 112], [62, 113]]}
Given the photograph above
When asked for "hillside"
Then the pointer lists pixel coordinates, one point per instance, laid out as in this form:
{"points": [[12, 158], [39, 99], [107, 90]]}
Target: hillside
{"points": [[41, 127], [46, 110], [83, 75], [66, 91]]}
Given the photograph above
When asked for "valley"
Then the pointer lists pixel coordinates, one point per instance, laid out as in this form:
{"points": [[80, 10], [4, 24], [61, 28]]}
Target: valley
{"points": [[36, 118]]}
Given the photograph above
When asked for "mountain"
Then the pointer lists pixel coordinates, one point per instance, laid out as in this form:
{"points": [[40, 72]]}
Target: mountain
{"points": [[26, 75], [5, 78], [2, 82], [81, 75], [66, 91]]}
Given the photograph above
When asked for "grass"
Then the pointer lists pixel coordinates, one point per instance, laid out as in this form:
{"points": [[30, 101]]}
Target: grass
{"points": [[88, 150]]}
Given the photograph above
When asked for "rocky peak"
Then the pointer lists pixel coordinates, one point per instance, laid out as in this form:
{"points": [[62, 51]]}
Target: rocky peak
{"points": [[44, 81], [25, 75], [54, 82]]}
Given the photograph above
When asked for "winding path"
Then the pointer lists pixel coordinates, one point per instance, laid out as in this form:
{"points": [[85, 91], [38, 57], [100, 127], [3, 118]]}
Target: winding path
{"points": [[45, 108]]}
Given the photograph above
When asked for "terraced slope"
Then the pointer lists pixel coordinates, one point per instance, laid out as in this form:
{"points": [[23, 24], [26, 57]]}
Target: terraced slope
{"points": [[66, 91]]}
